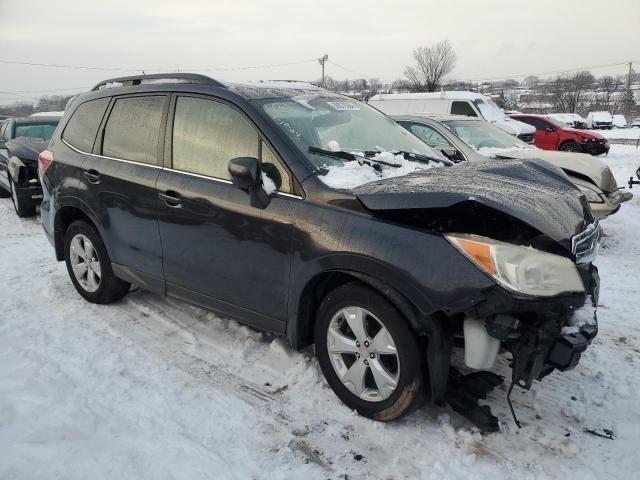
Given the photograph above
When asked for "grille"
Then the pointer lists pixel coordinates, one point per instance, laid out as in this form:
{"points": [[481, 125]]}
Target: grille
{"points": [[526, 137], [584, 245]]}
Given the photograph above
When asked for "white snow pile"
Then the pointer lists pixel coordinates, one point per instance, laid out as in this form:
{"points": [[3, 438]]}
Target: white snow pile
{"points": [[585, 315], [495, 151], [268, 185], [48, 114], [355, 173]]}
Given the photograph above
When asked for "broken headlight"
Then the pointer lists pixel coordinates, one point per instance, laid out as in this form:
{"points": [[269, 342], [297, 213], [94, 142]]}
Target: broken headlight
{"points": [[520, 269], [592, 195]]}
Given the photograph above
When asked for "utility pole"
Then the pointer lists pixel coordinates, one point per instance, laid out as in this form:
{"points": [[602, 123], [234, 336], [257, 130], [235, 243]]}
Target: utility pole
{"points": [[322, 61], [629, 76]]}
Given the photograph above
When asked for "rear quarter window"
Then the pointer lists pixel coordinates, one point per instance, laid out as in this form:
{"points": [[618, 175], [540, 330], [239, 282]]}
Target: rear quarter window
{"points": [[463, 108], [83, 126]]}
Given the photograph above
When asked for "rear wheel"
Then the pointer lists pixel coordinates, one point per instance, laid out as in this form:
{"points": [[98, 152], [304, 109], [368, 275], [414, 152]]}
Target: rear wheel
{"points": [[368, 354], [89, 265], [24, 207], [570, 146]]}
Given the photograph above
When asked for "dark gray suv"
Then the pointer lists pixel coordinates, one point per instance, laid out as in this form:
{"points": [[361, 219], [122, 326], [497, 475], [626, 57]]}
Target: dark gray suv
{"points": [[312, 215]]}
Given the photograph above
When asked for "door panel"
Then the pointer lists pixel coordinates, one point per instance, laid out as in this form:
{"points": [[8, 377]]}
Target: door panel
{"points": [[222, 253]]}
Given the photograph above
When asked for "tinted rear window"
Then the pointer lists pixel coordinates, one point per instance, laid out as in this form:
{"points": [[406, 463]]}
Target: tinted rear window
{"points": [[42, 131], [82, 128], [133, 129]]}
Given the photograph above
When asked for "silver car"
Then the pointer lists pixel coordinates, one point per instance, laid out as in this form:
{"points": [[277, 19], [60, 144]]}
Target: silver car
{"points": [[463, 138]]}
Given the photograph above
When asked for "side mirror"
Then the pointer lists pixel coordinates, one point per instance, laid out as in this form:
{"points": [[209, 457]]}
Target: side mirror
{"points": [[452, 153], [246, 175]]}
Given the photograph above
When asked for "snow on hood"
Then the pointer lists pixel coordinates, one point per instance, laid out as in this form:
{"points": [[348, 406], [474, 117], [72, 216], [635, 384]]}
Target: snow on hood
{"points": [[352, 174], [513, 126]]}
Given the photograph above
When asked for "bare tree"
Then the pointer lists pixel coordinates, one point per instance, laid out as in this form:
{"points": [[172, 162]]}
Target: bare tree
{"points": [[567, 93], [432, 64], [608, 85]]}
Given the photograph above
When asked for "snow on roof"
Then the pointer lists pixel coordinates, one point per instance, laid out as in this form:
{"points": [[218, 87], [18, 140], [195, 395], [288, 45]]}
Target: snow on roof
{"points": [[277, 84], [47, 114], [453, 94]]}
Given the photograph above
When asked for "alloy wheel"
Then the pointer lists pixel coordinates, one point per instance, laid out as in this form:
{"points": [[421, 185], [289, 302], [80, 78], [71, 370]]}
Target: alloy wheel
{"points": [[363, 354], [85, 263]]}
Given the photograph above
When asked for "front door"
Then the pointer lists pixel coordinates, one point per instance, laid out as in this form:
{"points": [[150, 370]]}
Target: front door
{"points": [[219, 251], [121, 185]]}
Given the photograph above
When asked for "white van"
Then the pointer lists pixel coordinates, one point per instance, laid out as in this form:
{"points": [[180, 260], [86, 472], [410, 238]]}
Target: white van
{"points": [[602, 120], [470, 104]]}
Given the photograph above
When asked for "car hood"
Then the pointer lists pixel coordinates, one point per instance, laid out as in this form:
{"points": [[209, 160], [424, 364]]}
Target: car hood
{"points": [[584, 133], [513, 126], [26, 148], [580, 164], [533, 192]]}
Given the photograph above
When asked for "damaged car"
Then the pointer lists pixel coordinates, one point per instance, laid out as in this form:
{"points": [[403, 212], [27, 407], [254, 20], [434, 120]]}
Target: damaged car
{"points": [[313, 216], [467, 139], [21, 141]]}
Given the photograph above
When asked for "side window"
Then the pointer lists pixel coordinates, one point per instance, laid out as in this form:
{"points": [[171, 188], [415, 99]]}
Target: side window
{"points": [[534, 122], [208, 134], [463, 108], [274, 169], [427, 134], [133, 129], [83, 126]]}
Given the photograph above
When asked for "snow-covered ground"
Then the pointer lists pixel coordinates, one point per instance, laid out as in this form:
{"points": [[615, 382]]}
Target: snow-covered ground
{"points": [[621, 133], [150, 388]]}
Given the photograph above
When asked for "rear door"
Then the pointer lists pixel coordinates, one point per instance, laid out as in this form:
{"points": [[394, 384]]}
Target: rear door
{"points": [[219, 251], [120, 179]]}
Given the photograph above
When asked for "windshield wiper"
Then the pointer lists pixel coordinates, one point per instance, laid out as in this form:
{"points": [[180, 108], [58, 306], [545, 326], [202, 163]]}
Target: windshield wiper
{"points": [[352, 156], [419, 157]]}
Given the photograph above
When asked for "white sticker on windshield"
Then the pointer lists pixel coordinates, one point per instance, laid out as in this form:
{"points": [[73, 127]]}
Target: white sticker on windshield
{"points": [[343, 105]]}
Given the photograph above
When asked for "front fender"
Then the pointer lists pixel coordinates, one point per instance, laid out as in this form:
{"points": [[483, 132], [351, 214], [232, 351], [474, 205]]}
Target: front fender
{"points": [[17, 170]]}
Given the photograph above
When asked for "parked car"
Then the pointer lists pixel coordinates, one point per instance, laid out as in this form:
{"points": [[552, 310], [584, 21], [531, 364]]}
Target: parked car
{"points": [[600, 120], [552, 135], [636, 122], [464, 138], [458, 103], [21, 141], [619, 121], [572, 120], [234, 198]]}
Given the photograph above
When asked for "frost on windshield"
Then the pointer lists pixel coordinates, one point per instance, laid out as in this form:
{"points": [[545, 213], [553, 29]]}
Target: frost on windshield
{"points": [[356, 172]]}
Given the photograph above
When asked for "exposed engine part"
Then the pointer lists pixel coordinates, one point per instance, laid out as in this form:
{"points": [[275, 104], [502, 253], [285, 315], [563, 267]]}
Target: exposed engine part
{"points": [[480, 349]]}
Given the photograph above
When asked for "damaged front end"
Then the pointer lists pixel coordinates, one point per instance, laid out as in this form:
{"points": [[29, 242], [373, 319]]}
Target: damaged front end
{"points": [[540, 334], [528, 229]]}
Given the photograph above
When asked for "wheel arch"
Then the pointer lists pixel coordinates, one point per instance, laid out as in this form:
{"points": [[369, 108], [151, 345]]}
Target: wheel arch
{"points": [[64, 217], [301, 324]]}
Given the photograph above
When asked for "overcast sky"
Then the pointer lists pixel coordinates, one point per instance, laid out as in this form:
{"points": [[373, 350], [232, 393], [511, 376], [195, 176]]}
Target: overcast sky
{"points": [[492, 38]]}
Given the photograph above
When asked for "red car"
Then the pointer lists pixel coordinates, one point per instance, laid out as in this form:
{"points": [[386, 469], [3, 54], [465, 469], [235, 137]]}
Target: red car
{"points": [[552, 135]]}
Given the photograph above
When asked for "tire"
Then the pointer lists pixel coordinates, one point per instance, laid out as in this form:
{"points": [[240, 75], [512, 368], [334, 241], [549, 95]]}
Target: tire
{"points": [[379, 398], [24, 207], [570, 146], [84, 249]]}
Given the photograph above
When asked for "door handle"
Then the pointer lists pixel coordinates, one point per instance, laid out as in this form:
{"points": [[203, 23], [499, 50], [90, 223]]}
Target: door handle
{"points": [[171, 199], [92, 176]]}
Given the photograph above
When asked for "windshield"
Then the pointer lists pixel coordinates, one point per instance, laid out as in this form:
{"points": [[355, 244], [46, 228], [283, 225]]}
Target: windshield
{"points": [[43, 131], [481, 135], [337, 124], [489, 110]]}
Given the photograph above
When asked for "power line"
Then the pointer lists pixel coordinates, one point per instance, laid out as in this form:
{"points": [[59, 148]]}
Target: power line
{"points": [[348, 69], [555, 72], [138, 69]]}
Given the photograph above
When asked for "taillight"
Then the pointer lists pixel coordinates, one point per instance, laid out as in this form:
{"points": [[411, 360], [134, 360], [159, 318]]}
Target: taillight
{"points": [[45, 159]]}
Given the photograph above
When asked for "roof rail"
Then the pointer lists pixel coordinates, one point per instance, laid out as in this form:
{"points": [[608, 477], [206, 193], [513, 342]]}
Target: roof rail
{"points": [[159, 78]]}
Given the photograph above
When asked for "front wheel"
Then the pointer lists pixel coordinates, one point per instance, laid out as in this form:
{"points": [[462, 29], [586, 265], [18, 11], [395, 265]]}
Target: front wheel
{"points": [[570, 146], [368, 354], [24, 207], [89, 265]]}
